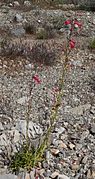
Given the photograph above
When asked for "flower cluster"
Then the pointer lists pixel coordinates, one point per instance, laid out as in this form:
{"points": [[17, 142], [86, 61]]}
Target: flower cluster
{"points": [[72, 26], [36, 79]]}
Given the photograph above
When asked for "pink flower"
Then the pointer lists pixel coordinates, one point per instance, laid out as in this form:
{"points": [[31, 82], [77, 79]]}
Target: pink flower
{"points": [[36, 79], [67, 22], [72, 44]]}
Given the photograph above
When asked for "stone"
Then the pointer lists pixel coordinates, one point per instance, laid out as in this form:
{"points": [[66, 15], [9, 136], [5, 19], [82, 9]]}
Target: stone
{"points": [[47, 156], [10, 5], [84, 135], [8, 176], [60, 130], [18, 18], [55, 174], [3, 140], [72, 146], [94, 21], [62, 145], [55, 151], [27, 176], [27, 3], [61, 30], [93, 174], [16, 4], [55, 142], [34, 129], [92, 128], [75, 166], [89, 174], [16, 136], [92, 111], [1, 127], [32, 174], [62, 176], [85, 159], [23, 100], [79, 110], [18, 32]]}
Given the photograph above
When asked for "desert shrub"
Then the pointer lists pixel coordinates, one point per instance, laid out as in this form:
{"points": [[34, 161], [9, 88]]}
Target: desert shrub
{"points": [[92, 43], [88, 6], [57, 1], [45, 32], [43, 54], [58, 22], [49, 30], [41, 33], [24, 158], [29, 28]]}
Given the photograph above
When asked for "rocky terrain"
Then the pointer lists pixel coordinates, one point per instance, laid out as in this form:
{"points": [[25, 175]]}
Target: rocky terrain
{"points": [[71, 154]]}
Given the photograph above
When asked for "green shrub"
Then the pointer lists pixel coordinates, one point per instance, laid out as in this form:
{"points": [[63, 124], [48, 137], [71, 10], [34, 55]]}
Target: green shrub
{"points": [[92, 43], [41, 33], [25, 158]]}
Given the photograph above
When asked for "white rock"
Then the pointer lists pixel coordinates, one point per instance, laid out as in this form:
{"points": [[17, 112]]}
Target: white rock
{"points": [[23, 100], [72, 146], [63, 176], [18, 18], [54, 175], [55, 151], [3, 140], [61, 30], [60, 176], [28, 66], [39, 20], [1, 127], [27, 176], [94, 21], [34, 129], [16, 136], [10, 5], [27, 3], [88, 13], [60, 130], [16, 4], [93, 128], [32, 174], [8, 176], [79, 110]]}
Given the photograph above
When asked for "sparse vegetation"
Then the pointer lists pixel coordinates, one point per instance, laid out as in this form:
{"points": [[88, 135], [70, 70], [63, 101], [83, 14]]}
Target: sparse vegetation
{"points": [[92, 44], [44, 88]]}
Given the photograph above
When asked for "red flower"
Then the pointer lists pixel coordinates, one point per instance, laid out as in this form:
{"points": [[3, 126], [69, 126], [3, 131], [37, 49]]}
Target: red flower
{"points": [[67, 22], [71, 29], [36, 79], [72, 44], [77, 23]]}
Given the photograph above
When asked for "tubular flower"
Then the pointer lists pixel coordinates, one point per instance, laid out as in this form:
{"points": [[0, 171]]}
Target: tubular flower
{"points": [[36, 79], [72, 44], [67, 22]]}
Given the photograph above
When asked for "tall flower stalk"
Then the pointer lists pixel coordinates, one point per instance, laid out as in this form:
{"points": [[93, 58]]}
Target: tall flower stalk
{"points": [[72, 26]]}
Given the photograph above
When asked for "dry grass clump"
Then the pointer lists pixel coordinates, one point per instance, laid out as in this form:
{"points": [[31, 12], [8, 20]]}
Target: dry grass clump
{"points": [[43, 53]]}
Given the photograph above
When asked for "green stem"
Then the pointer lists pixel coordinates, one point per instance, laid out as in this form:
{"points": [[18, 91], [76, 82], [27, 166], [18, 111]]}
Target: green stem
{"points": [[54, 111]]}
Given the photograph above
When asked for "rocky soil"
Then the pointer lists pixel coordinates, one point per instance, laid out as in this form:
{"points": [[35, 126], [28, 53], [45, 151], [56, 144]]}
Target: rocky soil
{"points": [[71, 154]]}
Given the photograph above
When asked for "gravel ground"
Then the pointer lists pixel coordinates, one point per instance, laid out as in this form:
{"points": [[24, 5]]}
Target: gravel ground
{"points": [[72, 150]]}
